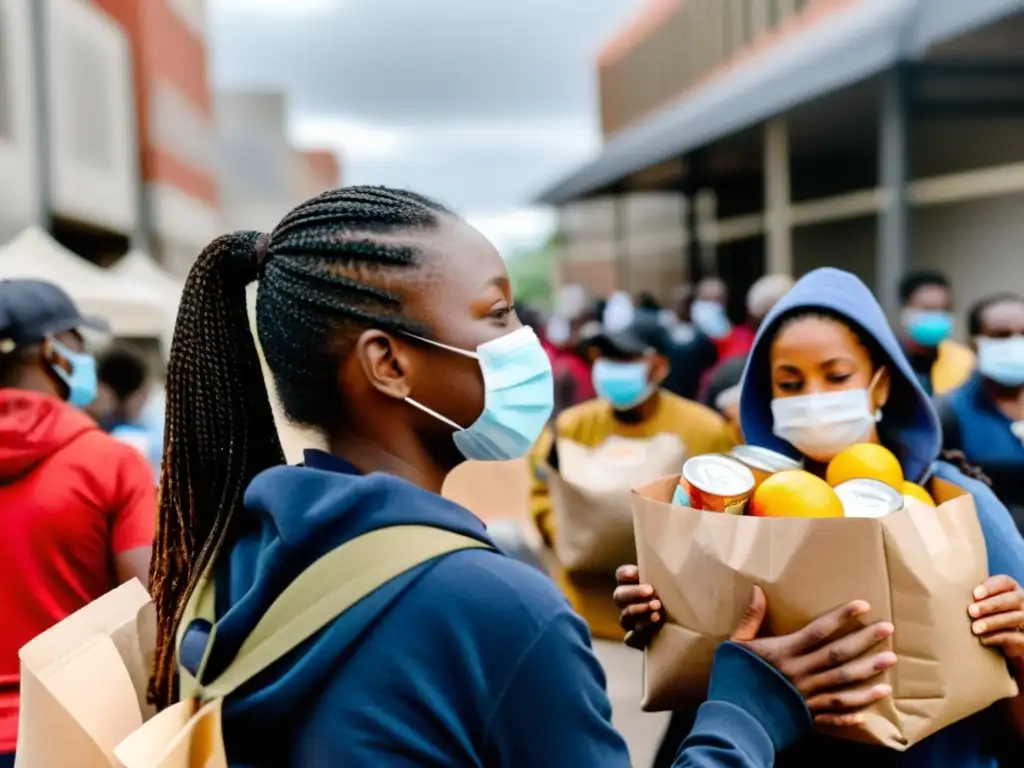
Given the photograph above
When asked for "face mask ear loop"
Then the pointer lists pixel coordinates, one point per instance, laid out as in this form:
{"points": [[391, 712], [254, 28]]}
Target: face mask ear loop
{"points": [[435, 414], [439, 345], [877, 415], [59, 348]]}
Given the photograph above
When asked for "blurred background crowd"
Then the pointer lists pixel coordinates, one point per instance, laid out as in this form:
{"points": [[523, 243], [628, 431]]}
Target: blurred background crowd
{"points": [[655, 172]]}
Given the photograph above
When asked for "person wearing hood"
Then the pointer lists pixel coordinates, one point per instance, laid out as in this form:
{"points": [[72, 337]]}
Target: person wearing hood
{"points": [[388, 323], [77, 507], [926, 319], [984, 417], [826, 371]]}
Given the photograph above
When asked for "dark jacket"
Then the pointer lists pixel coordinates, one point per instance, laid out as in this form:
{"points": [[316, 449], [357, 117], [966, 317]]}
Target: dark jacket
{"points": [[471, 660]]}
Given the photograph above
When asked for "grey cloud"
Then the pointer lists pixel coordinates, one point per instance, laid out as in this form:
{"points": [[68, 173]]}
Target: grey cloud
{"points": [[492, 98]]}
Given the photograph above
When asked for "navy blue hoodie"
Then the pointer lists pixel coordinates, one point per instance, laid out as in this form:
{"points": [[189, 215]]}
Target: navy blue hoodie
{"points": [[910, 428], [473, 659]]}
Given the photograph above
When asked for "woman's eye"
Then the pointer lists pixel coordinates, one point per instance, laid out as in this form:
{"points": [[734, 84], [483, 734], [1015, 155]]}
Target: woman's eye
{"points": [[838, 378], [503, 311], [789, 386]]}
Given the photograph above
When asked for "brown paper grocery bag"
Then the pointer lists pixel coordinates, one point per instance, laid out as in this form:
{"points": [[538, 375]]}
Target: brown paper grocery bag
{"points": [[917, 568], [106, 646], [590, 497], [178, 737]]}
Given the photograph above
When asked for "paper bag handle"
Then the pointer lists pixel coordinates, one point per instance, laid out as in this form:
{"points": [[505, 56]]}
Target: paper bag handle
{"points": [[321, 593]]}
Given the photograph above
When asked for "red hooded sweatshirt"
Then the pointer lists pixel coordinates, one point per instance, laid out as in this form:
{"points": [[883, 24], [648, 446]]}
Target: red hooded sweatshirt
{"points": [[71, 497]]}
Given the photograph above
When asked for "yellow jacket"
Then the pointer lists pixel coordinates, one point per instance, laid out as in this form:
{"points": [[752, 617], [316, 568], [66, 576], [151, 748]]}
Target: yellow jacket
{"points": [[953, 366], [591, 424]]}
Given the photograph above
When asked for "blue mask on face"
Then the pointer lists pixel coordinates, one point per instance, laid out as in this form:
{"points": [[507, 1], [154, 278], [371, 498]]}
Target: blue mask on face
{"points": [[82, 382], [1002, 360], [622, 385], [519, 395], [710, 319], [928, 327]]}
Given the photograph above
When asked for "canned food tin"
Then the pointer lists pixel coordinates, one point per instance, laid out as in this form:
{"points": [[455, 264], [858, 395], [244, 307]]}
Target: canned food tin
{"points": [[717, 483], [762, 462], [868, 498]]}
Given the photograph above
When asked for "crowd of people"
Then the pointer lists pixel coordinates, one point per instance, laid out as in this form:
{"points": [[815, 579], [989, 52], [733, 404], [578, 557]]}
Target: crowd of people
{"points": [[389, 326]]}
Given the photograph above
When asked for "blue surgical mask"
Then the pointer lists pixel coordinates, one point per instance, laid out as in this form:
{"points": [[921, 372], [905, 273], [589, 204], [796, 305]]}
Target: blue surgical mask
{"points": [[710, 319], [928, 328], [622, 385], [519, 395], [82, 382], [1002, 360]]}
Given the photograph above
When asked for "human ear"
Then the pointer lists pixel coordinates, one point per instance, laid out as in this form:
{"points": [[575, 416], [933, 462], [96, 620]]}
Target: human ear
{"points": [[385, 363], [659, 370], [880, 390]]}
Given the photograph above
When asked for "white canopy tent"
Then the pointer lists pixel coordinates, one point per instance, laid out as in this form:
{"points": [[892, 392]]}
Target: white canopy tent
{"points": [[131, 308], [139, 268]]}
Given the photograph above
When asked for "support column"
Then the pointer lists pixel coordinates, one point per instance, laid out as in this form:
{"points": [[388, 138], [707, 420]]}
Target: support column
{"points": [[892, 258], [621, 235], [777, 198], [689, 188], [39, 11], [707, 229]]}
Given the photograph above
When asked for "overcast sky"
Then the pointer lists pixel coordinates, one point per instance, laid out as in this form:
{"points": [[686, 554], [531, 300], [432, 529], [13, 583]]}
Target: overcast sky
{"points": [[478, 102]]}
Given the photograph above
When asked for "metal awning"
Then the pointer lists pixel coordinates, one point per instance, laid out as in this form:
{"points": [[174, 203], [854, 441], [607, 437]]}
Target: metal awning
{"points": [[863, 40]]}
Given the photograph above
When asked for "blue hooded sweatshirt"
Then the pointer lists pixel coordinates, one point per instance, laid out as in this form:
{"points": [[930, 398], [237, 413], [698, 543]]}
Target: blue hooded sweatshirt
{"points": [[473, 659], [910, 428]]}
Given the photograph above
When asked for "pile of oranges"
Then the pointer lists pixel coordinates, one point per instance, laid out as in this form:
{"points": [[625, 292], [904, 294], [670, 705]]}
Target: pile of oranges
{"points": [[796, 493]]}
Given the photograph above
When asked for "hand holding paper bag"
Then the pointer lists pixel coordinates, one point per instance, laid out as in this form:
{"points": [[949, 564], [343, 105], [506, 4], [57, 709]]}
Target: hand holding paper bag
{"points": [[917, 569]]}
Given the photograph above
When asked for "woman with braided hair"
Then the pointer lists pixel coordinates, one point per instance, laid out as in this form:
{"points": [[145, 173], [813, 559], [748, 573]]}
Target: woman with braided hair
{"points": [[388, 325]]}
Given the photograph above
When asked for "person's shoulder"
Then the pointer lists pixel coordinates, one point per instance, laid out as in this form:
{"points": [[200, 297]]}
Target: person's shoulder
{"points": [[97, 449], [985, 500], [696, 415], [957, 352], [499, 592], [573, 418]]}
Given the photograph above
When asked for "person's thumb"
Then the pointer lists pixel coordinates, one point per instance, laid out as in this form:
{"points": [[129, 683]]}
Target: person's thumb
{"points": [[753, 617]]}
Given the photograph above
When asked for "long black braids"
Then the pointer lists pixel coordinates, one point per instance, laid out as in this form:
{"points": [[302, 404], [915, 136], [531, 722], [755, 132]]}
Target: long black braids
{"points": [[322, 274]]}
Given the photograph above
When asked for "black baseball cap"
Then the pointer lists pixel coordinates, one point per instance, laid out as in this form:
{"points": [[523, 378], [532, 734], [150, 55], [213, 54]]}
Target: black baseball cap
{"points": [[632, 341], [31, 310]]}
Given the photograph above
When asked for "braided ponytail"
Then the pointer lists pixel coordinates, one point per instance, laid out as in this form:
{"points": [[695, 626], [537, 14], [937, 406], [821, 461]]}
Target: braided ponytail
{"points": [[328, 270], [220, 432]]}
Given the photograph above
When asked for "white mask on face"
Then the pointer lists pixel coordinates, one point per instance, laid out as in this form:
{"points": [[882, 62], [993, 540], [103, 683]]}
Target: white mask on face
{"points": [[821, 425]]}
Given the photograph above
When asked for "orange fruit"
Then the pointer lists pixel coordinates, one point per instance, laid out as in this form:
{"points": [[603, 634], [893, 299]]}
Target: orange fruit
{"points": [[915, 491], [866, 460], [795, 493]]}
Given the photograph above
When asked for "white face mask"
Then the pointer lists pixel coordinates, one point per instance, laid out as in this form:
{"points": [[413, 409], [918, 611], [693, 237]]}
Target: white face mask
{"points": [[823, 424], [1002, 360]]}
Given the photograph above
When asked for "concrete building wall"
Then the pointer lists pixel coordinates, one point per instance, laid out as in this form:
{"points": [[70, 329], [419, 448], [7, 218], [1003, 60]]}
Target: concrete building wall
{"points": [[979, 244], [19, 202], [174, 112], [90, 105], [672, 46], [262, 175]]}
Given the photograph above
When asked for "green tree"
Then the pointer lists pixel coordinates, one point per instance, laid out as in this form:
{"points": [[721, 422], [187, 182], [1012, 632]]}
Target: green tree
{"points": [[531, 274]]}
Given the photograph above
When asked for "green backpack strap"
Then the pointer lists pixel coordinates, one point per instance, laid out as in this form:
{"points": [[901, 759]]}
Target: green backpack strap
{"points": [[321, 593]]}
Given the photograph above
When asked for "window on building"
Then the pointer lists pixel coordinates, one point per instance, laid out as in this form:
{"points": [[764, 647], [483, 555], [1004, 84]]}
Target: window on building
{"points": [[91, 103], [6, 129]]}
